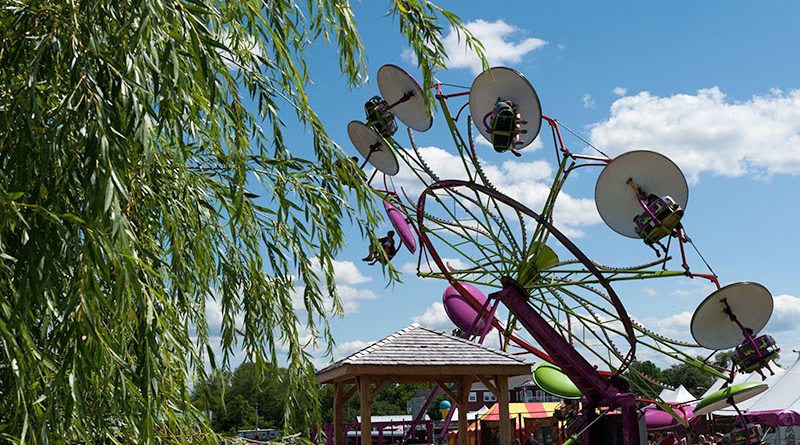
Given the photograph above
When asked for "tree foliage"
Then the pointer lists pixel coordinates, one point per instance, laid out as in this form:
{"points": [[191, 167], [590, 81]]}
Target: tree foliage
{"points": [[692, 378], [143, 171], [233, 400]]}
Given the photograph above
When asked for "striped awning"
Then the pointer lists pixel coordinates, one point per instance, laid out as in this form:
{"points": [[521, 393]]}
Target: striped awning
{"points": [[528, 410]]}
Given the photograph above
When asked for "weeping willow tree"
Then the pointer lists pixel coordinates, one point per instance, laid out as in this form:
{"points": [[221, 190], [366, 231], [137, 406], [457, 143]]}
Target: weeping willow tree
{"points": [[143, 172]]}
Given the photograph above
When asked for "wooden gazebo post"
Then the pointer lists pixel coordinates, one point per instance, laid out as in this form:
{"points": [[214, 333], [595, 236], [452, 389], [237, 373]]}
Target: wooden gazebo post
{"points": [[501, 382], [365, 397], [338, 413], [463, 401]]}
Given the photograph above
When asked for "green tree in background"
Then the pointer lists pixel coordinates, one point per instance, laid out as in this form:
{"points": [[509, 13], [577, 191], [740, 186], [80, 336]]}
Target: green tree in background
{"points": [[232, 400], [649, 369], [692, 378], [723, 358], [136, 184]]}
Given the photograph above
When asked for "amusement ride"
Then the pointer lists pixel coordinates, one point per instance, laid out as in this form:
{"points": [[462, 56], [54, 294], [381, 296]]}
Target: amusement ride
{"points": [[585, 339]]}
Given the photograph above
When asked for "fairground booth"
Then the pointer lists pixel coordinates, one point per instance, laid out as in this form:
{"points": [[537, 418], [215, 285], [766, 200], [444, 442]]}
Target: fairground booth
{"points": [[523, 419]]}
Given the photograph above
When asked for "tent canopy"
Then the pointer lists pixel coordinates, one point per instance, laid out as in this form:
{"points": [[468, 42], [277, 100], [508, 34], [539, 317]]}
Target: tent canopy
{"points": [[678, 395], [528, 410], [779, 405], [471, 415]]}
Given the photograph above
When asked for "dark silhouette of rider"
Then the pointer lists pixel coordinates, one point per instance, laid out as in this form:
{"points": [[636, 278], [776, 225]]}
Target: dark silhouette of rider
{"points": [[388, 246]]}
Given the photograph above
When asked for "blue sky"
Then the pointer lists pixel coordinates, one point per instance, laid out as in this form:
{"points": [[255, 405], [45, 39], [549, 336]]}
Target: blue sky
{"points": [[713, 85]]}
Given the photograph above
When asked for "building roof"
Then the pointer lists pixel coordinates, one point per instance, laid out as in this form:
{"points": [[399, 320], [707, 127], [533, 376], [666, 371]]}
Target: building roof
{"points": [[425, 352], [514, 382]]}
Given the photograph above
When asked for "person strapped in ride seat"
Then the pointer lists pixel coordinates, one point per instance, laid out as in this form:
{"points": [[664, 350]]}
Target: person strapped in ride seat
{"points": [[387, 244]]}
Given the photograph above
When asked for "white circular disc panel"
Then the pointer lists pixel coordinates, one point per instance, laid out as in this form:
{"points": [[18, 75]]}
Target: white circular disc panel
{"points": [[394, 82], [373, 148], [653, 172], [506, 84], [736, 395], [712, 327]]}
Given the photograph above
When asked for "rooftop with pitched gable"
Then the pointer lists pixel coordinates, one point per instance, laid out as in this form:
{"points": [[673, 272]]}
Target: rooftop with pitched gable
{"points": [[417, 353]]}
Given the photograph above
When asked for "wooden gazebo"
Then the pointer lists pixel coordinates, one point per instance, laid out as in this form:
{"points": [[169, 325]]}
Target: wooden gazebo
{"points": [[421, 355]]}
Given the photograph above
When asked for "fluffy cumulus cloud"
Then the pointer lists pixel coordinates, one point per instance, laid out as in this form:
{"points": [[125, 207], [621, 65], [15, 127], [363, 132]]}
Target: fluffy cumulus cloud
{"points": [[785, 314], [342, 350], [434, 317], [500, 41], [524, 180], [707, 132], [674, 326], [214, 316], [349, 286], [347, 272], [348, 278]]}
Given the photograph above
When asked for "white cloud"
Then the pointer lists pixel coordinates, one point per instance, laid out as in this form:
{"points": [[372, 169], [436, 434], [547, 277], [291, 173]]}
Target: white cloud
{"points": [[348, 277], [239, 50], [409, 268], [214, 317], [706, 132], [347, 273], [785, 314], [434, 317], [587, 100], [675, 326], [620, 91], [351, 297], [236, 356], [499, 42], [492, 341], [525, 181], [342, 350], [695, 288]]}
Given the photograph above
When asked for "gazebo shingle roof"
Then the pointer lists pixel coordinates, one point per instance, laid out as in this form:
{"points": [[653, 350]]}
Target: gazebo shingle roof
{"points": [[420, 346]]}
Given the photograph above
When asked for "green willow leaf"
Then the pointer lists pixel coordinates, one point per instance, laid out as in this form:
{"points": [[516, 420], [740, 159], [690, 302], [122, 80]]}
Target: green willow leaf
{"points": [[136, 186]]}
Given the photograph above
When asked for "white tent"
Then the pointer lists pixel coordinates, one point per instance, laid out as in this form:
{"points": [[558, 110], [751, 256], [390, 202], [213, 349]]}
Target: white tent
{"points": [[783, 392], [471, 415], [678, 395]]}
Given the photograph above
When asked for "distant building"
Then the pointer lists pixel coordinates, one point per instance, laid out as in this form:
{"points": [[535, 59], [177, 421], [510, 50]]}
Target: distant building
{"points": [[261, 434], [520, 389], [524, 390], [391, 429], [415, 403]]}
